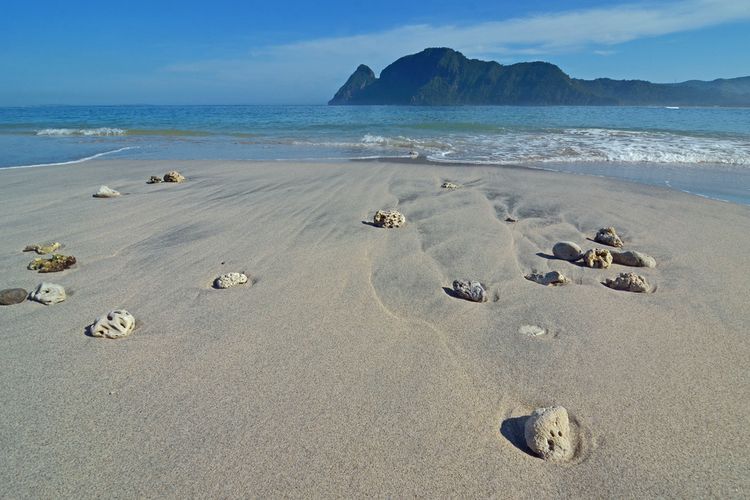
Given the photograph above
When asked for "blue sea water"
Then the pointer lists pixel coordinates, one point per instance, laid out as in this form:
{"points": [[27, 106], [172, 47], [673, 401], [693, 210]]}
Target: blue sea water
{"points": [[705, 151]]}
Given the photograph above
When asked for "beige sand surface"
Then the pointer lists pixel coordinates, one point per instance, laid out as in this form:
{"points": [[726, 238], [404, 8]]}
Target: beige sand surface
{"points": [[346, 369]]}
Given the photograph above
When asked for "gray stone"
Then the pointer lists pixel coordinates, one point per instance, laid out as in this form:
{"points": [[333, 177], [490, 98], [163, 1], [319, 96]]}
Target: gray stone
{"points": [[629, 282], [547, 433], [48, 293], [567, 250], [633, 259], [450, 185], [153, 180], [11, 296], [470, 290]]}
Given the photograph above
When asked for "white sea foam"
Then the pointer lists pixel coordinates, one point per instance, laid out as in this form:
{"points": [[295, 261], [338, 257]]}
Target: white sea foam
{"points": [[81, 160], [570, 145], [100, 131]]}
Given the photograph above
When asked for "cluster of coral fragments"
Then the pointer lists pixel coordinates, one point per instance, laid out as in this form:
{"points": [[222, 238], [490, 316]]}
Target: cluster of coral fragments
{"points": [[548, 432]]}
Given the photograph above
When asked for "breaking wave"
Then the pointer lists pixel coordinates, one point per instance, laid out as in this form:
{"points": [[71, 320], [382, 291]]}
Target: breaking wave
{"points": [[88, 132]]}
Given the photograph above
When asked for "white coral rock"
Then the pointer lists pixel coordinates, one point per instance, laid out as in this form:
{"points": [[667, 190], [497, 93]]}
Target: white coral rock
{"points": [[389, 218], [229, 280], [48, 293], [552, 278], [598, 258], [629, 282], [113, 325], [450, 185], [547, 433], [608, 236], [106, 192]]}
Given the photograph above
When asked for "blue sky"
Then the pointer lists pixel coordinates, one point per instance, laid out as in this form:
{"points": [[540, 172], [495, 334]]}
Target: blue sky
{"points": [[222, 52]]}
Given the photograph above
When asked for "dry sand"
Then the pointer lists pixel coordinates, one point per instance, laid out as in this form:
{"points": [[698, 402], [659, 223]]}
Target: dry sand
{"points": [[346, 369]]}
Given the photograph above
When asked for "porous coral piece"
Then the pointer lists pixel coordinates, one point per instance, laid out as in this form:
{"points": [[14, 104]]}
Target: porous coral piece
{"points": [[42, 249], [389, 218], [55, 263], [106, 192], [608, 236], [11, 296], [470, 290], [450, 185], [552, 278], [629, 282], [633, 259], [153, 180], [547, 433], [48, 293], [229, 280], [598, 258], [566, 250], [173, 176], [113, 325]]}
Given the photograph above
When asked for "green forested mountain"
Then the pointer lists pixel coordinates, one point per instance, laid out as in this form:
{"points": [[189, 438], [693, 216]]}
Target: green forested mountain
{"points": [[442, 76]]}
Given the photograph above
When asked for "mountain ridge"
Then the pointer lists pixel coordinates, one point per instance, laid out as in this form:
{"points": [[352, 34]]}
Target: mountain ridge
{"points": [[443, 76]]}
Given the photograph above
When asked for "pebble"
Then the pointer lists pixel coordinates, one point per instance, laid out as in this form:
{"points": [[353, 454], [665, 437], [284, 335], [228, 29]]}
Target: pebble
{"points": [[229, 280], [567, 250], [11, 296], [106, 192], [470, 290], [389, 218]]}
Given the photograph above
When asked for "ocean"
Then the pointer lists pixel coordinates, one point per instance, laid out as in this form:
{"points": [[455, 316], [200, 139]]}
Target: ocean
{"points": [[704, 151]]}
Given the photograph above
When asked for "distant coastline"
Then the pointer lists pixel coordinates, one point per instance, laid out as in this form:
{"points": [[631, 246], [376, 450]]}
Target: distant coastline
{"points": [[443, 76]]}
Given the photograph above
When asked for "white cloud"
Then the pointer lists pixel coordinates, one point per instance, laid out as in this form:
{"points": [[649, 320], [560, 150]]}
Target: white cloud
{"points": [[321, 64]]}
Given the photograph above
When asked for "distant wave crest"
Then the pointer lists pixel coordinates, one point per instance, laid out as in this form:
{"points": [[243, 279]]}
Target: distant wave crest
{"points": [[99, 132]]}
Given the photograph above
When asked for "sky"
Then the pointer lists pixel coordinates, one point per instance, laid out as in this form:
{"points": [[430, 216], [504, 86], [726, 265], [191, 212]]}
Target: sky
{"points": [[301, 52]]}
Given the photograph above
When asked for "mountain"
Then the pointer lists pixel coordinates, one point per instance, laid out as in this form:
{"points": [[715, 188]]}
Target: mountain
{"points": [[443, 76]]}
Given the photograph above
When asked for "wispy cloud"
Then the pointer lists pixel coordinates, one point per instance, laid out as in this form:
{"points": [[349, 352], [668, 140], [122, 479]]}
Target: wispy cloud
{"points": [[322, 63]]}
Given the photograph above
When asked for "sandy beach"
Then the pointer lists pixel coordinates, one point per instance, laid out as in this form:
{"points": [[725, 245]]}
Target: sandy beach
{"points": [[346, 368]]}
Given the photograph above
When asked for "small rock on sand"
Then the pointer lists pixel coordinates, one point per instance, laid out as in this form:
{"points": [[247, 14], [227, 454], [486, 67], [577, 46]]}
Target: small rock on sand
{"points": [[389, 218], [552, 278], [547, 433], [153, 180], [55, 263], [229, 280], [608, 236], [470, 290], [113, 325], [173, 176], [531, 330], [629, 282], [450, 185], [48, 293], [567, 250], [510, 219], [633, 259], [11, 296], [42, 249], [597, 258], [106, 192]]}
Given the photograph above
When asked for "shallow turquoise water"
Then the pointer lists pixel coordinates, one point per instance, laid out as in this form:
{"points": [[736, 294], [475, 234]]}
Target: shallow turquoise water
{"points": [[701, 150]]}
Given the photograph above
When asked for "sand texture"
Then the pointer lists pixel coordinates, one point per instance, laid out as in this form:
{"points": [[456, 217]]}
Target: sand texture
{"points": [[348, 367]]}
